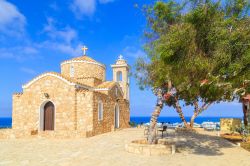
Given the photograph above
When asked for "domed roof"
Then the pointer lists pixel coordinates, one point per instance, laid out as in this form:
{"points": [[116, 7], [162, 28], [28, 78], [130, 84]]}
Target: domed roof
{"points": [[84, 59]]}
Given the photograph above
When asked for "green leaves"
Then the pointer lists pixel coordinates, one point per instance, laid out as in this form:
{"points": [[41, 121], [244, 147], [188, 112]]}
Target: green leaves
{"points": [[195, 41]]}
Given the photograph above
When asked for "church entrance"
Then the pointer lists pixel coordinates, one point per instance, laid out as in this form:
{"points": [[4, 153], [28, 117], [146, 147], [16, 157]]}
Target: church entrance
{"points": [[49, 114], [117, 125]]}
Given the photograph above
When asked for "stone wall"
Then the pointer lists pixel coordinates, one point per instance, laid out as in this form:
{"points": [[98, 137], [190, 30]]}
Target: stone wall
{"points": [[76, 110], [227, 123], [107, 124], [93, 82], [124, 113], [84, 70], [12, 134], [27, 106], [84, 110]]}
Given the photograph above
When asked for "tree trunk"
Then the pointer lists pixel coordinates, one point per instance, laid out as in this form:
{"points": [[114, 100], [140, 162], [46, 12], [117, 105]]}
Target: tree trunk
{"points": [[153, 122], [245, 115], [192, 120], [153, 125], [198, 111], [179, 111]]}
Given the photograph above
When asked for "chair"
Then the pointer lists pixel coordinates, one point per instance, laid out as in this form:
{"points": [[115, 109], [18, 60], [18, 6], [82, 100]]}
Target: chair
{"points": [[163, 130]]}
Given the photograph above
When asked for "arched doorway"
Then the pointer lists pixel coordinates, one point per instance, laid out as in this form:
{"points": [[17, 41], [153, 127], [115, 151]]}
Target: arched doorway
{"points": [[117, 118], [48, 116]]}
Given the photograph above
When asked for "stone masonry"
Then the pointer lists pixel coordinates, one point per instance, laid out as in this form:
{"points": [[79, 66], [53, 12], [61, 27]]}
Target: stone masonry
{"points": [[76, 94]]}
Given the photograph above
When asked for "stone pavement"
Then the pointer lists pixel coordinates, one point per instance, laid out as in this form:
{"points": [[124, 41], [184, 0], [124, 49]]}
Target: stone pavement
{"points": [[108, 149]]}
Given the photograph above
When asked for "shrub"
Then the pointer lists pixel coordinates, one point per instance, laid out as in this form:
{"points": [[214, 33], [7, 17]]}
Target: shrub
{"points": [[132, 124]]}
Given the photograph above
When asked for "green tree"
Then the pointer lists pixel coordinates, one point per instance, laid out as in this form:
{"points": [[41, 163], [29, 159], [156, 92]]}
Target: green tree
{"points": [[200, 49]]}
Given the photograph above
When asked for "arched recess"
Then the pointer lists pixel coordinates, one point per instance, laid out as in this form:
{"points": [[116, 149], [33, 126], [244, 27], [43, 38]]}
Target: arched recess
{"points": [[119, 76], [72, 71], [117, 116], [47, 116], [100, 110]]}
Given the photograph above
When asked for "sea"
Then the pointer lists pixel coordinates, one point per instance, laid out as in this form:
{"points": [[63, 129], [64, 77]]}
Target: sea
{"points": [[7, 122], [199, 120]]}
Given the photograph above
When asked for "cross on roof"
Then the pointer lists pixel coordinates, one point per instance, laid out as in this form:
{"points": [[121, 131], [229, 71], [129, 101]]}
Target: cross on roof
{"points": [[120, 57], [84, 49]]}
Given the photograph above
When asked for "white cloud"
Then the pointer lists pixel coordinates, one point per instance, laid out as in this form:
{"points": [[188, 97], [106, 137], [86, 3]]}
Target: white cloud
{"points": [[12, 22], [28, 70], [233, 103], [29, 50], [133, 52], [54, 6], [106, 1], [83, 7], [60, 39], [19, 53], [66, 34], [86, 7], [23, 53], [64, 48]]}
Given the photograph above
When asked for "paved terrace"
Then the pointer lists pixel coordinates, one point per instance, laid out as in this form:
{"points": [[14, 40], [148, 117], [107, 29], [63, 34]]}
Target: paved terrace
{"points": [[108, 149]]}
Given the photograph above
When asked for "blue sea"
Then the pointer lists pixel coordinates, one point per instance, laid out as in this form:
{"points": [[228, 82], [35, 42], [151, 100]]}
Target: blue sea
{"points": [[7, 122], [199, 120]]}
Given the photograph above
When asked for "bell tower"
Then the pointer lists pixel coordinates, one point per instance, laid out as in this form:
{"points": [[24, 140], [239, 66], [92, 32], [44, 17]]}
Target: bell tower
{"points": [[121, 75]]}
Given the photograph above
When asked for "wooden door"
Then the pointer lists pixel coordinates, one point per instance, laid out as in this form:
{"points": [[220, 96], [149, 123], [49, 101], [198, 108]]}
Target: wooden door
{"points": [[49, 110]]}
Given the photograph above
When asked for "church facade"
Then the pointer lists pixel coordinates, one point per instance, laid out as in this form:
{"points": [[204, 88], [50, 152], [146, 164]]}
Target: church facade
{"points": [[76, 102]]}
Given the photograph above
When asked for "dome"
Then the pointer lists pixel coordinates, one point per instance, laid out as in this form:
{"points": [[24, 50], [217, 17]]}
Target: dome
{"points": [[83, 68], [83, 59]]}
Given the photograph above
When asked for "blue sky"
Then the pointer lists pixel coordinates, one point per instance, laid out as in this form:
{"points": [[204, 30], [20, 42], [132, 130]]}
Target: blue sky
{"points": [[35, 36]]}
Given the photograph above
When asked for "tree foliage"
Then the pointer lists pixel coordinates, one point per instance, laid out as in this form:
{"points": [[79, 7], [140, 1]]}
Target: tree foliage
{"points": [[202, 46], [198, 41]]}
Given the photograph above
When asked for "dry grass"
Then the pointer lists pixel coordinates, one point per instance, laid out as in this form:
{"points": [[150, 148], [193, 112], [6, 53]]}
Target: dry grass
{"points": [[236, 138], [245, 145]]}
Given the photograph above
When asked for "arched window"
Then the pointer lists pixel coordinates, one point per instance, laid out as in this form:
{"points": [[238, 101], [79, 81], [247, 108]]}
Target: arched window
{"points": [[72, 71], [100, 110], [116, 91], [119, 76]]}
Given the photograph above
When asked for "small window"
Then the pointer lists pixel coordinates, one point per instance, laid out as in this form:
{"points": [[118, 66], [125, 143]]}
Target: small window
{"points": [[100, 110], [119, 76], [72, 71]]}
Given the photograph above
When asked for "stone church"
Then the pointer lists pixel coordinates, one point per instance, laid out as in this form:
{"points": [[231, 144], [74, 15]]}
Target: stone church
{"points": [[76, 102]]}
